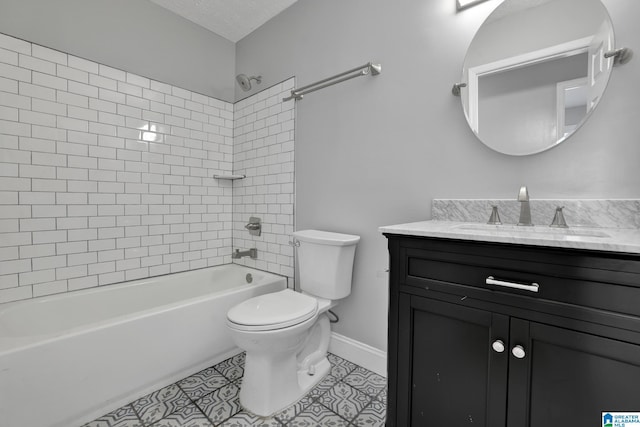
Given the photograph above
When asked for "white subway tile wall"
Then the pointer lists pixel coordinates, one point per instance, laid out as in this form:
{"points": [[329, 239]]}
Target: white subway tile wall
{"points": [[264, 151], [106, 176]]}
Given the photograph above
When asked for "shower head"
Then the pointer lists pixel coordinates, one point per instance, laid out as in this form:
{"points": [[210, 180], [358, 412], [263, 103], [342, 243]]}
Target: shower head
{"points": [[245, 82]]}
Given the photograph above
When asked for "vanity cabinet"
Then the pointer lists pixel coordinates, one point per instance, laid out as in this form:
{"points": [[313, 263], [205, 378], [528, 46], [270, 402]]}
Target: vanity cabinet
{"points": [[468, 349]]}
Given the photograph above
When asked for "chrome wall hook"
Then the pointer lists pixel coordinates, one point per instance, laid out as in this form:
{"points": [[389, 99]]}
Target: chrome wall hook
{"points": [[455, 90], [620, 56]]}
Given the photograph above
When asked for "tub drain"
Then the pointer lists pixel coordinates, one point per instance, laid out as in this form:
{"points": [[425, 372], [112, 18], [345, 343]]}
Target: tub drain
{"points": [[249, 278]]}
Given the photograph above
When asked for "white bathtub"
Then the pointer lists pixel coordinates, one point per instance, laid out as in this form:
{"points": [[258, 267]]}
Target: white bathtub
{"points": [[68, 359]]}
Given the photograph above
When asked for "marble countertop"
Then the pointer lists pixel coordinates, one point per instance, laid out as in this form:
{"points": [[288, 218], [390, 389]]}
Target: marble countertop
{"points": [[600, 239]]}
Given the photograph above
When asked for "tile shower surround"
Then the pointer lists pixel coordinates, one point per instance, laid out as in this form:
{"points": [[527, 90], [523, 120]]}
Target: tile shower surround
{"points": [[106, 176], [263, 142], [349, 396]]}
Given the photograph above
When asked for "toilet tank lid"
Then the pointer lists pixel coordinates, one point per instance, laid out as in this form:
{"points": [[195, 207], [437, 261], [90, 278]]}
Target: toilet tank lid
{"points": [[326, 237]]}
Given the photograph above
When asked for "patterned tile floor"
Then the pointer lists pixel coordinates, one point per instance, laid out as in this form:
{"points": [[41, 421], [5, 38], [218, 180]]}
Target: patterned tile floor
{"points": [[349, 396]]}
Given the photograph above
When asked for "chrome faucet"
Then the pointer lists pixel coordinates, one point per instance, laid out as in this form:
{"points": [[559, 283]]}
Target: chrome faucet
{"points": [[525, 209], [253, 253]]}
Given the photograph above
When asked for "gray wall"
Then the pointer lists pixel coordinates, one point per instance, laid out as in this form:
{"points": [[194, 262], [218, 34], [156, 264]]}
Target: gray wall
{"points": [[133, 35], [375, 151]]}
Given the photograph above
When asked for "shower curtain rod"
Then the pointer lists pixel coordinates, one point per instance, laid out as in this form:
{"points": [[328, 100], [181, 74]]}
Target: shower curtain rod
{"points": [[363, 70]]}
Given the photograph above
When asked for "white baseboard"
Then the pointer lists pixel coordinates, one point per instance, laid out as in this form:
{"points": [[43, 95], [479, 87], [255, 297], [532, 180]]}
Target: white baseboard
{"points": [[359, 353]]}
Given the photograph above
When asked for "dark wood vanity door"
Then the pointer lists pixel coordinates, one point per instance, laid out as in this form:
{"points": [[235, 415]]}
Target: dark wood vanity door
{"points": [[577, 338], [456, 378], [568, 378]]}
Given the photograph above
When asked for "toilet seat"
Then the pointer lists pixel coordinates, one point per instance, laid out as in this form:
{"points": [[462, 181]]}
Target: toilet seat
{"points": [[272, 311]]}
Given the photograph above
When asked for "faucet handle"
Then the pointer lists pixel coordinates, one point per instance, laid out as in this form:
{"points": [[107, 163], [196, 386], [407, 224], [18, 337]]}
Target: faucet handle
{"points": [[254, 226], [523, 194], [558, 219], [495, 216]]}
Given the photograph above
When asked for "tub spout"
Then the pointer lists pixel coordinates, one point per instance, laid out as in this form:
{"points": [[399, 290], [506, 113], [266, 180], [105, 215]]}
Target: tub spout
{"points": [[252, 253]]}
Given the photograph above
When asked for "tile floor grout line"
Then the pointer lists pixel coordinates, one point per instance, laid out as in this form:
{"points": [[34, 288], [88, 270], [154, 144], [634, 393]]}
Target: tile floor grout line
{"points": [[135, 413], [371, 399], [349, 421], [194, 402]]}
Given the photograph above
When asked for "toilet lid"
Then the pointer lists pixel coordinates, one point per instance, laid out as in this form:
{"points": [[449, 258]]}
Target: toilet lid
{"points": [[273, 311]]}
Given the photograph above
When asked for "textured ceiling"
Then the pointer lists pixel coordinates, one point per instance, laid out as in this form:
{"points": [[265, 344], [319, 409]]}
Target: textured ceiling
{"points": [[231, 19]]}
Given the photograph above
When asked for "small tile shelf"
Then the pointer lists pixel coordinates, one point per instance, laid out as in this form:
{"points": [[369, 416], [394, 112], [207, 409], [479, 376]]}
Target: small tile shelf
{"points": [[230, 177]]}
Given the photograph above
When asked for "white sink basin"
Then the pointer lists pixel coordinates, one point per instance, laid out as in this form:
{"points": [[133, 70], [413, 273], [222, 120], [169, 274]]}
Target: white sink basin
{"points": [[516, 230]]}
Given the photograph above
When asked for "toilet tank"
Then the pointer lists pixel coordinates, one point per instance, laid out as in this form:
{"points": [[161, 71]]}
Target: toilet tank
{"points": [[325, 260]]}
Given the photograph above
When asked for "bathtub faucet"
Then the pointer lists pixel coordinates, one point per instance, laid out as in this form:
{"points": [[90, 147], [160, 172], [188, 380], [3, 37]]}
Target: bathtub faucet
{"points": [[253, 253]]}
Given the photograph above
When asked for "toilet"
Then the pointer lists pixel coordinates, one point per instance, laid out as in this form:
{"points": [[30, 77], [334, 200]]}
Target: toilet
{"points": [[286, 334]]}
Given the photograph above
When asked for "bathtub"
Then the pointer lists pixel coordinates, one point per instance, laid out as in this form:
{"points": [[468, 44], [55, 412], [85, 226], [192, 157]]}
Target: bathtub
{"points": [[68, 359]]}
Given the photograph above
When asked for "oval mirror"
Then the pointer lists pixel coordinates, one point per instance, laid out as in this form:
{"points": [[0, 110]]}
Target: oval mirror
{"points": [[534, 72]]}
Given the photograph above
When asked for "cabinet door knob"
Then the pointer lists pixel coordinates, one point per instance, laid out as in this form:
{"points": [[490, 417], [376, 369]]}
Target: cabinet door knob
{"points": [[518, 351], [498, 346]]}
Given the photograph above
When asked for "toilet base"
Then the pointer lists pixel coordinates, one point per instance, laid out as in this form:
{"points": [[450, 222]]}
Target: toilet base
{"points": [[281, 366], [307, 381], [291, 391]]}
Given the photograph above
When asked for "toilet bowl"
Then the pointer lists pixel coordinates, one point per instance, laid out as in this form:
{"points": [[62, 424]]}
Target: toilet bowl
{"points": [[276, 375], [286, 334]]}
